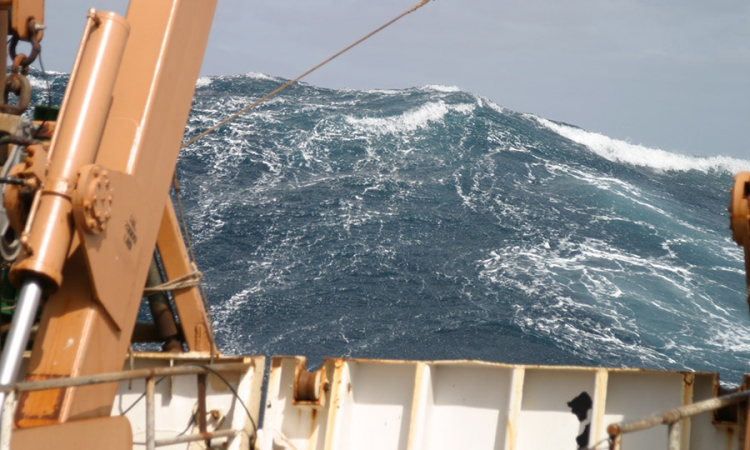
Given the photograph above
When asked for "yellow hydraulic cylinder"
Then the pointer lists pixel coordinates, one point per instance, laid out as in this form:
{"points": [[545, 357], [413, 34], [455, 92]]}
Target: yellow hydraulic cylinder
{"points": [[49, 232]]}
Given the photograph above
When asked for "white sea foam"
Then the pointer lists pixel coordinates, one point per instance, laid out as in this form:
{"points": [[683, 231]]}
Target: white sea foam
{"points": [[410, 120], [606, 272], [261, 76], [203, 82], [37, 83], [375, 91], [442, 88], [499, 109], [639, 155]]}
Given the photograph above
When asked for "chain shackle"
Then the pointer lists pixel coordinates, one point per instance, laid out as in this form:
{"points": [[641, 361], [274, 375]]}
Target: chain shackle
{"points": [[18, 84], [21, 60]]}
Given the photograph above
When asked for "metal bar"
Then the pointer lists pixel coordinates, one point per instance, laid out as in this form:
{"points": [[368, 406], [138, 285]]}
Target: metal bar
{"points": [[197, 437], [121, 376], [3, 51], [18, 336], [202, 426], [150, 414], [161, 311], [676, 414], [196, 327], [675, 435], [6, 427]]}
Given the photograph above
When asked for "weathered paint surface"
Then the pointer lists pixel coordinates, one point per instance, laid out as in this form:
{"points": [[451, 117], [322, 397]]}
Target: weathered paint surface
{"points": [[413, 405], [176, 400]]}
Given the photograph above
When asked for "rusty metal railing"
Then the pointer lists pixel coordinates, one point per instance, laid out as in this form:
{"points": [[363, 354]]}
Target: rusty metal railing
{"points": [[150, 375], [672, 419]]}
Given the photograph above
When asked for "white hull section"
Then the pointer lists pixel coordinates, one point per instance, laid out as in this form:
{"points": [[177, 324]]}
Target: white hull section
{"points": [[359, 404], [409, 405], [176, 401]]}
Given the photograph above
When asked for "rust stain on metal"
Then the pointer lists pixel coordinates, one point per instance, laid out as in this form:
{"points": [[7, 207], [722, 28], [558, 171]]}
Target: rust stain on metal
{"points": [[217, 384], [308, 386], [728, 414], [313, 428], [45, 129], [52, 398], [202, 403], [207, 436], [688, 381], [613, 431]]}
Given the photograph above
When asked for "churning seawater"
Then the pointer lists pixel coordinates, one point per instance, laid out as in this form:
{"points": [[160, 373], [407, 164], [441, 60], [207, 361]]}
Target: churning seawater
{"points": [[431, 223]]}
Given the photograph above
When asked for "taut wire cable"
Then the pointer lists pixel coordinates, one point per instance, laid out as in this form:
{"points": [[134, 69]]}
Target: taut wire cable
{"points": [[308, 72]]}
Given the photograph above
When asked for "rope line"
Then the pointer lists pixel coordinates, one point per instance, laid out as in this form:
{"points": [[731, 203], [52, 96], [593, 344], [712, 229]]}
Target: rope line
{"points": [[308, 72], [188, 280]]}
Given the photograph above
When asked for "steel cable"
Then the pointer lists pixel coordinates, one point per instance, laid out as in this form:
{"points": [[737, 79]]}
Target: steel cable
{"points": [[308, 72]]}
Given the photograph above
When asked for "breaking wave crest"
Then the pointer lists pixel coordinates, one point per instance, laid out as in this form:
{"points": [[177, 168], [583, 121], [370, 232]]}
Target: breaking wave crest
{"points": [[638, 155]]}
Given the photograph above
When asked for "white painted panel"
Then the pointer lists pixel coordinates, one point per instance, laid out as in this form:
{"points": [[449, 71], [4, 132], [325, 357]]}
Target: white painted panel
{"points": [[468, 407], [298, 424], [546, 420], [389, 405], [380, 411], [704, 434], [341, 404], [635, 395], [175, 402], [174, 399]]}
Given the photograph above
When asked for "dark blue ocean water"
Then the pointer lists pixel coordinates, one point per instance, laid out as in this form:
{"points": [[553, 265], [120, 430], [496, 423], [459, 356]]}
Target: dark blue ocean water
{"points": [[431, 223]]}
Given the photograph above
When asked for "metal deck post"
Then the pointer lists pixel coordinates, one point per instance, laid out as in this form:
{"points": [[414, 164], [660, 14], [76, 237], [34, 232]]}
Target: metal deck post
{"points": [[150, 415]]}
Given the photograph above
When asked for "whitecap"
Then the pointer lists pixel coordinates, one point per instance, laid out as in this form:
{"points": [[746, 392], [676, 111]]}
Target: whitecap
{"points": [[261, 76], [38, 82], [374, 91], [441, 88], [497, 108], [639, 155], [410, 120], [203, 82]]}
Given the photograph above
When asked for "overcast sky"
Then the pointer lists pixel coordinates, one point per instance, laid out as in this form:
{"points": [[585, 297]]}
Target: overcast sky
{"points": [[669, 74]]}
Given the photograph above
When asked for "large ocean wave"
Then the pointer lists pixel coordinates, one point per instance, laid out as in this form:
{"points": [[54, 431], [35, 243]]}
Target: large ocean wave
{"points": [[432, 223]]}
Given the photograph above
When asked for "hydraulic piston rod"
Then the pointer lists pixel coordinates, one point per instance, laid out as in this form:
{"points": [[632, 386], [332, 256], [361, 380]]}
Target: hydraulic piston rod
{"points": [[18, 336]]}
